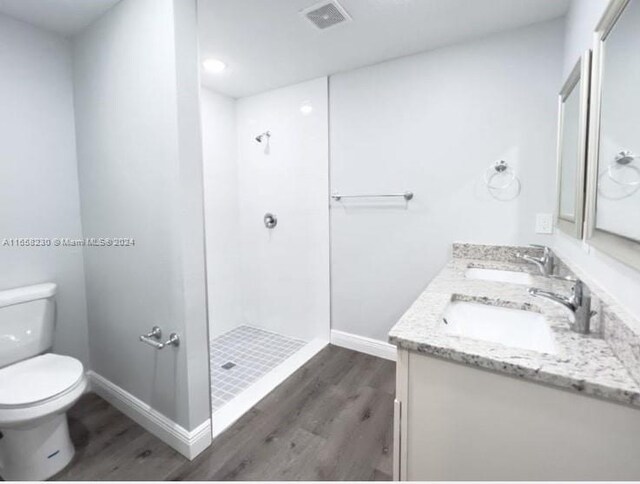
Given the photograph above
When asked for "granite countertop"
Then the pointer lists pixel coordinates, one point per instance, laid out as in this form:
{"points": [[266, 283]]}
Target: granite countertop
{"points": [[581, 363]]}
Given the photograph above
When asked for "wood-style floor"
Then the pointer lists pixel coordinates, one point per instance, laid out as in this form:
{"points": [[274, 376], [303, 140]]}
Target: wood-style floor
{"points": [[331, 420]]}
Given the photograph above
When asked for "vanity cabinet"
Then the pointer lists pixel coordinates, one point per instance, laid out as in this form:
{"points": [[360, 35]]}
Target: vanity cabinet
{"points": [[458, 422]]}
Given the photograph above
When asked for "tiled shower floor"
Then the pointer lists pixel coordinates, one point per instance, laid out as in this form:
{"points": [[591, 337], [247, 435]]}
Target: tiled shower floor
{"points": [[244, 355]]}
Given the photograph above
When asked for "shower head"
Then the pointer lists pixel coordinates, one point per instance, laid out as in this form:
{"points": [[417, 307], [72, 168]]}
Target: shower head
{"points": [[260, 138]]}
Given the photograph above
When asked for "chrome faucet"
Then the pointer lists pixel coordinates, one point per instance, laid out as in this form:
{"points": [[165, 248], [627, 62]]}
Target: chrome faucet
{"points": [[579, 303], [545, 263]]}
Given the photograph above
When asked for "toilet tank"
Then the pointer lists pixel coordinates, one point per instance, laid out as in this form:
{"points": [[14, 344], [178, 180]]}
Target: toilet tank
{"points": [[27, 317]]}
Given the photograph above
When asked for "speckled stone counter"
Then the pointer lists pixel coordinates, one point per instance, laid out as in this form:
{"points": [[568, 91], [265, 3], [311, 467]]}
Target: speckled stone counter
{"points": [[582, 363]]}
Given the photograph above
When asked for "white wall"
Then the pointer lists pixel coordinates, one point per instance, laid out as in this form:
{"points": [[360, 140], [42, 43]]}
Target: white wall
{"points": [[140, 168], [285, 271], [221, 211], [432, 123], [38, 175], [619, 280]]}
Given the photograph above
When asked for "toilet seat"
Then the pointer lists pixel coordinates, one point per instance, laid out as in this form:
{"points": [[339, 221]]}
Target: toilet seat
{"points": [[36, 380], [38, 387]]}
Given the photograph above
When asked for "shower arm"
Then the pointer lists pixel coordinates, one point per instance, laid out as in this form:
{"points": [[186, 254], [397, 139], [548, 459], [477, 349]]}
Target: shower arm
{"points": [[261, 136]]}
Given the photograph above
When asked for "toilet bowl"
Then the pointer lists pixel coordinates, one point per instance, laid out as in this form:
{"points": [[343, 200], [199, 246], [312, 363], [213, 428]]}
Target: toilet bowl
{"points": [[36, 388], [34, 396]]}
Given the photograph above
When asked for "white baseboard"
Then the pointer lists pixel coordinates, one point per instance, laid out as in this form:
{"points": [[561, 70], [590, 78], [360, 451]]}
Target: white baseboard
{"points": [[228, 414], [188, 442], [370, 346]]}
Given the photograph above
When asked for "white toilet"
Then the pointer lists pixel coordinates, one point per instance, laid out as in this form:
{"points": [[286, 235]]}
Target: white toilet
{"points": [[36, 387]]}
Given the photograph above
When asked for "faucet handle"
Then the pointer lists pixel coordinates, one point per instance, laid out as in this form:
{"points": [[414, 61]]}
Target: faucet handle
{"points": [[564, 278], [528, 258], [547, 250], [578, 286], [578, 290]]}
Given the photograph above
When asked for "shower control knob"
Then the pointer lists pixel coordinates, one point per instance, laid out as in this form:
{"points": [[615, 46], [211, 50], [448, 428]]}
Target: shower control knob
{"points": [[270, 220]]}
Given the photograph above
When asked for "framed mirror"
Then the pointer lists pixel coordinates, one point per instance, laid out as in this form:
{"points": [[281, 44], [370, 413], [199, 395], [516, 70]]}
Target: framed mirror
{"points": [[614, 165], [573, 108]]}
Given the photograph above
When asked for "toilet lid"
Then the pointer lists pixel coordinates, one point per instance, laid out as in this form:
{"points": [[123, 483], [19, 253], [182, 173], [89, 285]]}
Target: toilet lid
{"points": [[37, 379]]}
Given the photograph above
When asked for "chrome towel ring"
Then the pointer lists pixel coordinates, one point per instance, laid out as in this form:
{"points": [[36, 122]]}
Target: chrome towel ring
{"points": [[623, 162], [500, 170]]}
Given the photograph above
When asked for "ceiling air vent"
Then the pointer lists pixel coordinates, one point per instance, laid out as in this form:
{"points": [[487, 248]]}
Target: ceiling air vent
{"points": [[326, 14]]}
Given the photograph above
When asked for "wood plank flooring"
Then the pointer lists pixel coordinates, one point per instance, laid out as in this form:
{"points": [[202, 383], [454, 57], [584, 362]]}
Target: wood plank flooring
{"points": [[331, 420]]}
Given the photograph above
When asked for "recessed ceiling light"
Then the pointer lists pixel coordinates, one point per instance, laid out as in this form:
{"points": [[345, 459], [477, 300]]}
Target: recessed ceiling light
{"points": [[214, 66], [306, 109]]}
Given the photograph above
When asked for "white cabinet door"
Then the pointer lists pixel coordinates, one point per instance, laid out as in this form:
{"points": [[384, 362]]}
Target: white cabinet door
{"points": [[464, 423]]}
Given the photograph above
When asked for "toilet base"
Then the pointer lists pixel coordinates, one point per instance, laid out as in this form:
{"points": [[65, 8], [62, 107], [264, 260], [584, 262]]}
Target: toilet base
{"points": [[36, 452]]}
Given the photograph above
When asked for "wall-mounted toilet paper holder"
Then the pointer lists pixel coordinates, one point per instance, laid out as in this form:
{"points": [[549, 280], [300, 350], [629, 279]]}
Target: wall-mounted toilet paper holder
{"points": [[154, 337]]}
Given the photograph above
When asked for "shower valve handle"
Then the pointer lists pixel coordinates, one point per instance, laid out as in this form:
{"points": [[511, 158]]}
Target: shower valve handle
{"points": [[270, 220]]}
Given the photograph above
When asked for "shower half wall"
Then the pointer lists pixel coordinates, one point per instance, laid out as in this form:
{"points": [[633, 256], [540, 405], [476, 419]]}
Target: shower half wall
{"points": [[268, 289]]}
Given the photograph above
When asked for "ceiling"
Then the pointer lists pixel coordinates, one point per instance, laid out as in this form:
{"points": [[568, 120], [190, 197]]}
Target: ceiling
{"points": [[65, 17], [268, 44]]}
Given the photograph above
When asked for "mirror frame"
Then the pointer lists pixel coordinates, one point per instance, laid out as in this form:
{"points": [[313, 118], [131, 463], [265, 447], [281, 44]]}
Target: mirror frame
{"points": [[618, 246], [580, 72]]}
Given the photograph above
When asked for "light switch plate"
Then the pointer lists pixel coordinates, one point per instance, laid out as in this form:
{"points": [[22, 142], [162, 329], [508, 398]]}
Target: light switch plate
{"points": [[544, 223]]}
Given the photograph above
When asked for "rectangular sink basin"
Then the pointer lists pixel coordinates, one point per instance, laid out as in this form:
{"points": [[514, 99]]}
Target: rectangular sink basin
{"points": [[513, 277], [505, 326]]}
